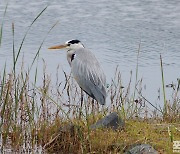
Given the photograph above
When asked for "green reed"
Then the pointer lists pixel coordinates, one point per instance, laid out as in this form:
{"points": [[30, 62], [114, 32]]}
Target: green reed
{"points": [[2, 24], [136, 80], [163, 86]]}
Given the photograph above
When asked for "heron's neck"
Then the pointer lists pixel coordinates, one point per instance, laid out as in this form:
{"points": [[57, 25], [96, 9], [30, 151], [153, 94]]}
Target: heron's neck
{"points": [[70, 53]]}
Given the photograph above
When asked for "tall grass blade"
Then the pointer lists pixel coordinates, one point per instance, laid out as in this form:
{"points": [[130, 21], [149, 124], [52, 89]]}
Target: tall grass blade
{"points": [[37, 53], [2, 24], [27, 33], [33, 100], [13, 50], [14, 73], [137, 65], [163, 86], [3, 84]]}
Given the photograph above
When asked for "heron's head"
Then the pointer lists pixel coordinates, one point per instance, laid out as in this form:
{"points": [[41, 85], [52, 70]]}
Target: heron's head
{"points": [[70, 45]]}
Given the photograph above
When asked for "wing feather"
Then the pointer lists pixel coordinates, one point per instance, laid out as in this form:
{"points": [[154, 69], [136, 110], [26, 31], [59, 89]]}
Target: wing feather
{"points": [[89, 75]]}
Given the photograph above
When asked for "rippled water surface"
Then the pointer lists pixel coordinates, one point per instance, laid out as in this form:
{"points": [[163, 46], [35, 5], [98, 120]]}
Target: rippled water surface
{"points": [[113, 30]]}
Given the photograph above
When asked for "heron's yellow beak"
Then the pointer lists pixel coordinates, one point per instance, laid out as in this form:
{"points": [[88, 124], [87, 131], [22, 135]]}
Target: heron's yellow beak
{"points": [[58, 46]]}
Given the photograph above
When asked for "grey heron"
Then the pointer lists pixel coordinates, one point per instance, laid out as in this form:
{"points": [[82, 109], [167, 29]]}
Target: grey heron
{"points": [[86, 70]]}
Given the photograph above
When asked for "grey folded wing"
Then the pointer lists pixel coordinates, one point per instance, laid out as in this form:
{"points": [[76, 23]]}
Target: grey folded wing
{"points": [[89, 75]]}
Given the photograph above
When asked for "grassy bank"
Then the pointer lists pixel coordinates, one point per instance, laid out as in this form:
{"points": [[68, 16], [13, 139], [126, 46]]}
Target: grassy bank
{"points": [[32, 114]]}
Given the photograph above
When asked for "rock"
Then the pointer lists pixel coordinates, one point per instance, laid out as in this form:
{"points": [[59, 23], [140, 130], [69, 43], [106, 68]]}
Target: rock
{"points": [[111, 121], [142, 149]]}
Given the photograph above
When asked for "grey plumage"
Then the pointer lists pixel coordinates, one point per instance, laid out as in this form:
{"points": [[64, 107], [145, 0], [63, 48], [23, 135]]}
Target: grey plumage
{"points": [[89, 75], [85, 69]]}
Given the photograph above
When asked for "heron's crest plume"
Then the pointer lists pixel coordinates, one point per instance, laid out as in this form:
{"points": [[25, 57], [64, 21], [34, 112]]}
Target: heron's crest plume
{"points": [[74, 44]]}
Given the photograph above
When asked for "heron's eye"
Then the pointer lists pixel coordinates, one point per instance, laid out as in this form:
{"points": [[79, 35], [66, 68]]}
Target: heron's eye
{"points": [[68, 44]]}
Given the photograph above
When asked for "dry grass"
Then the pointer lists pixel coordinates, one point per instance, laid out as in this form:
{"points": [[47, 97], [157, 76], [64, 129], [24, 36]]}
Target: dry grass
{"points": [[79, 140], [31, 118]]}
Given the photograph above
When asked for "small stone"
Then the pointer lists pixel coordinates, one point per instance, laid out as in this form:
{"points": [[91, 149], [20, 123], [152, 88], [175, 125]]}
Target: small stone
{"points": [[111, 121], [142, 149]]}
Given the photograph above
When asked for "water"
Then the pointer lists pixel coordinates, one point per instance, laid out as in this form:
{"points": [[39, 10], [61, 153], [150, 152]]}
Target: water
{"points": [[113, 30]]}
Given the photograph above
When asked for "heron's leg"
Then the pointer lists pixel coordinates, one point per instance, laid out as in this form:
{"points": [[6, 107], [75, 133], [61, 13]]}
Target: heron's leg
{"points": [[81, 105], [93, 109], [81, 97]]}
